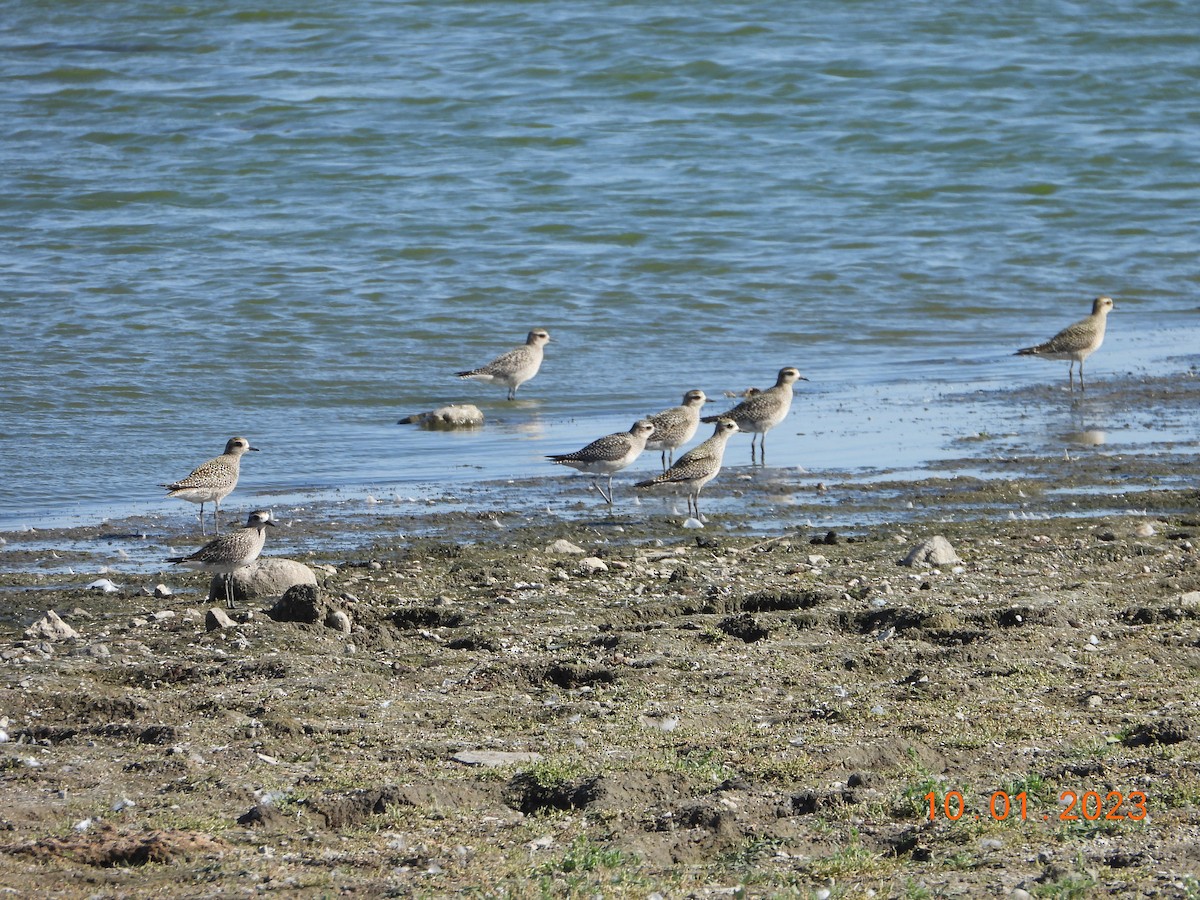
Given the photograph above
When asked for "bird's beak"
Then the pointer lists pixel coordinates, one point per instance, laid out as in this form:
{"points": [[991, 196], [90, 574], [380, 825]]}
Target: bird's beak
{"points": [[255, 449], [271, 522], [802, 378]]}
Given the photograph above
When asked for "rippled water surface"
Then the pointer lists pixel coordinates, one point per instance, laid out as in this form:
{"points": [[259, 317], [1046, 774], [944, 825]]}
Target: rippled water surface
{"points": [[294, 220]]}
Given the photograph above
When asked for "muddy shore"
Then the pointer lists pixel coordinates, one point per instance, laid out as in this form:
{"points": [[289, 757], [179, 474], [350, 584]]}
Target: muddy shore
{"points": [[540, 697]]}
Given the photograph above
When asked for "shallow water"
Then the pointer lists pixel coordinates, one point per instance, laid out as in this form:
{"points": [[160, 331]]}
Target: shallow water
{"points": [[295, 223]]}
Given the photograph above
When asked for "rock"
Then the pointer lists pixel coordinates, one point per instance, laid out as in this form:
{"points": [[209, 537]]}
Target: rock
{"points": [[565, 548], [1190, 600], [103, 584], [300, 603], [161, 591], [51, 628], [264, 578], [445, 418], [593, 565], [217, 619], [338, 620], [303, 603], [493, 758], [936, 551]]}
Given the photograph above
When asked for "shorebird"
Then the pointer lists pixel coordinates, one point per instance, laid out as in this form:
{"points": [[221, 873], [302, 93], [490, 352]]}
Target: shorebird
{"points": [[1076, 342], [674, 427], [213, 481], [762, 411], [230, 552], [698, 466], [514, 368], [609, 454]]}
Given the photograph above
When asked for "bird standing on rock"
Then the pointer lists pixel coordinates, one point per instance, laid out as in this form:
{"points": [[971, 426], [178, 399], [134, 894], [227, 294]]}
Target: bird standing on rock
{"points": [[514, 368], [230, 552], [1076, 342], [761, 412]]}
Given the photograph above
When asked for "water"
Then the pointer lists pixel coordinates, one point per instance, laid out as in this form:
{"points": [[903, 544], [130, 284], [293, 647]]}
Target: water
{"points": [[293, 221]]}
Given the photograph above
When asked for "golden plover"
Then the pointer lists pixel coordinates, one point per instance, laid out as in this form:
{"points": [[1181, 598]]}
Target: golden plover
{"points": [[674, 427], [230, 552], [213, 481], [698, 466], [761, 412], [609, 454], [1076, 342], [514, 368]]}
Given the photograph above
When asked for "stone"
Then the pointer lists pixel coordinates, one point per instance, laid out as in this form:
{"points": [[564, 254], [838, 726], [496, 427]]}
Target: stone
{"points": [[593, 565], [493, 758], [263, 578], [936, 551], [338, 620], [447, 418], [217, 619], [564, 547], [300, 603], [51, 628]]}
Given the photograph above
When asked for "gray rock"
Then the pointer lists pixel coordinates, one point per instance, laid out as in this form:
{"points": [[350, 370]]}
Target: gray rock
{"points": [[217, 619], [493, 758], [263, 578], [593, 565], [300, 603], [936, 551], [338, 620], [51, 628], [563, 547], [464, 415]]}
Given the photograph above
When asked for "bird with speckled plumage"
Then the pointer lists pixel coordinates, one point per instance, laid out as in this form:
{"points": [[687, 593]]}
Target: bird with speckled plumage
{"points": [[698, 466], [761, 412], [1076, 342], [674, 427], [514, 368], [230, 552], [213, 481], [608, 455]]}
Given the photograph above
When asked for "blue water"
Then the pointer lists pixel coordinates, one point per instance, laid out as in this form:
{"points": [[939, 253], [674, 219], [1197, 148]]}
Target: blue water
{"points": [[293, 221]]}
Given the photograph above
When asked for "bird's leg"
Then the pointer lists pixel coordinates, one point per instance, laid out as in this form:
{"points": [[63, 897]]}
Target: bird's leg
{"points": [[1081, 375], [607, 497], [512, 393], [664, 459], [202, 531], [229, 604], [217, 517]]}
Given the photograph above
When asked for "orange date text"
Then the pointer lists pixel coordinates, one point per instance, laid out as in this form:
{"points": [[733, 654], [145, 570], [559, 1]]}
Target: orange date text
{"points": [[1075, 806]]}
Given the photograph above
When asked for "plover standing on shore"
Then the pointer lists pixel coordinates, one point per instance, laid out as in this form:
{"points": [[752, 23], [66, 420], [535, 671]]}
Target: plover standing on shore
{"points": [[609, 454], [213, 481], [1076, 342], [514, 368], [761, 412], [230, 552], [698, 466], [674, 427]]}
